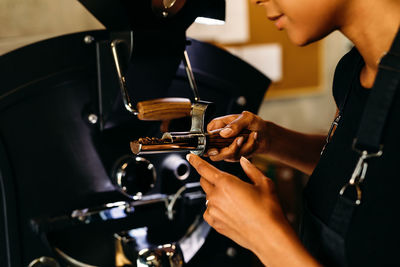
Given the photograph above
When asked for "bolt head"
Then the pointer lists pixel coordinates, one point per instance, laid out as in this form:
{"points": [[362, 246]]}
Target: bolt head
{"points": [[88, 39], [231, 252], [93, 118], [241, 101]]}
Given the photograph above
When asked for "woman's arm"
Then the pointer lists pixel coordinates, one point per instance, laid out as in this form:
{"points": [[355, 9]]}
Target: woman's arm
{"points": [[301, 151], [298, 150]]}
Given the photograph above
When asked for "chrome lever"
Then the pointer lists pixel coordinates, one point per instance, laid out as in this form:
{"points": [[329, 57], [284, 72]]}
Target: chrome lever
{"points": [[121, 78], [190, 75]]}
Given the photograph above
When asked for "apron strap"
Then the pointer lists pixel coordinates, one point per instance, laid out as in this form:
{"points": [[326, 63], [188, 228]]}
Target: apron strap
{"points": [[369, 135], [370, 131], [341, 215]]}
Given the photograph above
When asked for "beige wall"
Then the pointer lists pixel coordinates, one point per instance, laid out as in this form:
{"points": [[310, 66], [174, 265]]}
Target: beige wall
{"points": [[313, 113], [26, 21]]}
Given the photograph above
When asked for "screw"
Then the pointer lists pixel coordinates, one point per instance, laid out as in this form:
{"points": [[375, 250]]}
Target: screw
{"points": [[93, 118], [231, 252], [129, 209], [241, 101], [88, 39]]}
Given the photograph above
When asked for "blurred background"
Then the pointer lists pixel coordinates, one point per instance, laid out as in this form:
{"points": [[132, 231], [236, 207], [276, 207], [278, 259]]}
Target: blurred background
{"points": [[300, 97]]}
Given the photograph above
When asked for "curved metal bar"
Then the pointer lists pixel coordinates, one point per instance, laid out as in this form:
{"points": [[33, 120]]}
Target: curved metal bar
{"points": [[71, 261], [171, 203], [122, 82]]}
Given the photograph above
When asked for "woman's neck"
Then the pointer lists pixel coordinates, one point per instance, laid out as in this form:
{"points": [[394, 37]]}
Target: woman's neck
{"points": [[371, 26]]}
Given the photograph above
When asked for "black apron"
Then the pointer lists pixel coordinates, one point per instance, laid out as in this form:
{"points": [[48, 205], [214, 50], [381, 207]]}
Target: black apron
{"points": [[327, 241]]}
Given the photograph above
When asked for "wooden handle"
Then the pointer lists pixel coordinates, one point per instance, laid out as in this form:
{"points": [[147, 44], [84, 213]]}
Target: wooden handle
{"points": [[215, 140], [164, 109]]}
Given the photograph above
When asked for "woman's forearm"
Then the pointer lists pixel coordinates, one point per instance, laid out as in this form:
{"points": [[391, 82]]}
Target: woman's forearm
{"points": [[282, 247], [298, 150]]}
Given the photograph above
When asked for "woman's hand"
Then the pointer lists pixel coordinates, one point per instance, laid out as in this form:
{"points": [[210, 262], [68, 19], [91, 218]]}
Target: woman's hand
{"points": [[232, 125], [236, 209], [250, 214]]}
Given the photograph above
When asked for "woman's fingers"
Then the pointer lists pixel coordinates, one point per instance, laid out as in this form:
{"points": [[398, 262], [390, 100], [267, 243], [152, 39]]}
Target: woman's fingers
{"points": [[250, 146], [212, 152], [216, 217], [220, 122], [206, 185], [205, 169], [243, 121], [239, 147], [252, 171], [229, 152]]}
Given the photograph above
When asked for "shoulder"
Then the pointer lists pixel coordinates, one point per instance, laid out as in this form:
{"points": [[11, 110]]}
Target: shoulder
{"points": [[346, 70]]}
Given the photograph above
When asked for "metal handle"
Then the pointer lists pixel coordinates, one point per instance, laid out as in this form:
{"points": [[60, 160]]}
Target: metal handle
{"points": [[190, 75], [122, 82]]}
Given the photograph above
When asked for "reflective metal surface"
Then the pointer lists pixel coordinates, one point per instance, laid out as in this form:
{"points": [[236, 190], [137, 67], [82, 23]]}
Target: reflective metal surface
{"points": [[194, 239], [88, 39], [44, 262], [122, 209], [190, 75], [170, 206], [121, 78], [198, 115], [167, 8], [71, 261], [135, 176], [193, 141], [163, 256], [177, 166], [168, 3]]}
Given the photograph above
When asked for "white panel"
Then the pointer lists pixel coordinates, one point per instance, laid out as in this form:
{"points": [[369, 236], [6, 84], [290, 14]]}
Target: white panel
{"points": [[235, 30]]}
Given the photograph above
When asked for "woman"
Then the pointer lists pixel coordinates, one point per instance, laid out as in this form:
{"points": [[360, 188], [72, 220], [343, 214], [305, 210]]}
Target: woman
{"points": [[345, 222]]}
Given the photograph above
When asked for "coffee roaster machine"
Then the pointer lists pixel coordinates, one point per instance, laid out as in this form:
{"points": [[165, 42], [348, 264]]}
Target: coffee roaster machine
{"points": [[72, 193]]}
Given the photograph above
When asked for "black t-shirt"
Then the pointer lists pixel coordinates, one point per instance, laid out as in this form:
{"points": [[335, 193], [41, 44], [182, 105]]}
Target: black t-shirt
{"points": [[373, 238]]}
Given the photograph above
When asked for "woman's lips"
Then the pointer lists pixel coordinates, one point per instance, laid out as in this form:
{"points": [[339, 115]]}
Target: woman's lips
{"points": [[278, 21]]}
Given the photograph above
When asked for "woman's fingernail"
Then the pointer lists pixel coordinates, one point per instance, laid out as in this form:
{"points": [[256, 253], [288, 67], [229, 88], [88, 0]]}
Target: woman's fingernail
{"points": [[255, 135], [212, 152], [188, 157], [226, 131], [214, 131], [245, 160], [239, 142]]}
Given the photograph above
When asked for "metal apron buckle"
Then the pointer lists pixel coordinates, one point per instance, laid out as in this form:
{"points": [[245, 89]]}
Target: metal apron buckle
{"points": [[360, 171]]}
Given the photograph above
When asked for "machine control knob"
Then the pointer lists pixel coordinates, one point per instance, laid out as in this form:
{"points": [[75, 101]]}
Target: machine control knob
{"points": [[177, 166], [135, 176]]}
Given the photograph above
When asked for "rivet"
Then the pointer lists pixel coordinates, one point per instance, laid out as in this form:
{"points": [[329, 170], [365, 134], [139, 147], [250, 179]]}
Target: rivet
{"points": [[231, 252], [241, 101], [93, 118], [88, 39]]}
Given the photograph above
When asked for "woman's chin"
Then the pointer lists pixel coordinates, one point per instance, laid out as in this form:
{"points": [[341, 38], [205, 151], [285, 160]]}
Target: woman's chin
{"points": [[302, 39], [298, 40]]}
